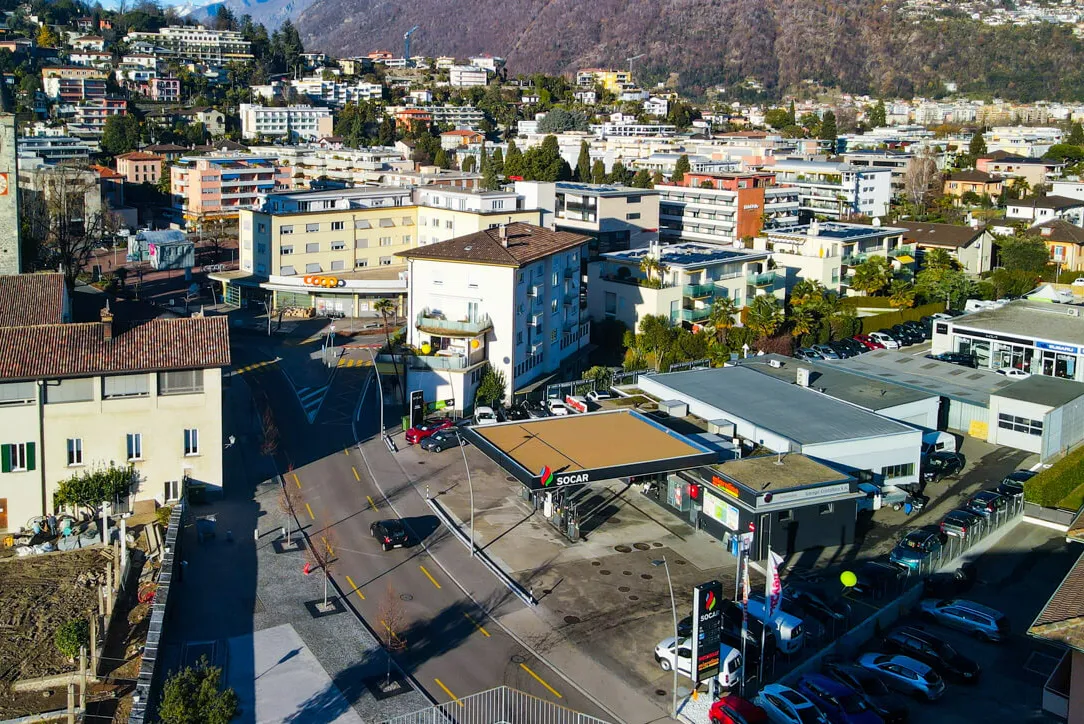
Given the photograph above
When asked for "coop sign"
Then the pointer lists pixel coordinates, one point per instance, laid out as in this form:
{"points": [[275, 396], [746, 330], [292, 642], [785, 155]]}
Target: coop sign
{"points": [[326, 282]]}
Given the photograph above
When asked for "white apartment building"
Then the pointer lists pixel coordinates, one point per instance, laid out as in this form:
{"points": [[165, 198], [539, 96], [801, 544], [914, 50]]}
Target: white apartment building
{"points": [[357, 166], [694, 275], [725, 215], [487, 62], [467, 117], [146, 396], [445, 212], [827, 252], [294, 123], [338, 93], [511, 296], [836, 191], [465, 76], [197, 43]]}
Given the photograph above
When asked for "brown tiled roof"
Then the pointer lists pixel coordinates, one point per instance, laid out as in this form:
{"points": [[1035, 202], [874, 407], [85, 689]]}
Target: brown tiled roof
{"points": [[974, 177], [72, 350], [1048, 201], [1060, 230], [525, 243], [139, 156], [105, 172], [27, 299], [1062, 619], [948, 235]]}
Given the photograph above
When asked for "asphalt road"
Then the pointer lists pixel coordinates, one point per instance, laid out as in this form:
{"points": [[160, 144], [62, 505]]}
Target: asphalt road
{"points": [[449, 645]]}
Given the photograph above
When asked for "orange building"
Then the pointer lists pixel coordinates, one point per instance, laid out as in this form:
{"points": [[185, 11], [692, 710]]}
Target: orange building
{"points": [[411, 117], [138, 167]]}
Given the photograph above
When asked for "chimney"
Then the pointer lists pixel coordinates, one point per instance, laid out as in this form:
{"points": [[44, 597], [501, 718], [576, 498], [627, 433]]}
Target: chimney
{"points": [[107, 321], [502, 232]]}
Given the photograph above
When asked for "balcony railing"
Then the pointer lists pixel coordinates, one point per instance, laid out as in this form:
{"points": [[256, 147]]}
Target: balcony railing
{"points": [[902, 251], [461, 327], [694, 315], [763, 279], [854, 259], [698, 291], [438, 362]]}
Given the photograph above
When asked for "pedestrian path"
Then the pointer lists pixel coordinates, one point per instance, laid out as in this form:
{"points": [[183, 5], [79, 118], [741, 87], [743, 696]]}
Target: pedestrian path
{"points": [[311, 399]]}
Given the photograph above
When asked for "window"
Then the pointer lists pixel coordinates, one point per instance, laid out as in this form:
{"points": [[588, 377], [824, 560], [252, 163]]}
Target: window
{"points": [[553, 336], [313, 269], [261, 228], [362, 224], [311, 228], [385, 241], [287, 271], [556, 280], [519, 338], [313, 248], [633, 216], [191, 441], [286, 250], [338, 245], [17, 457], [338, 225], [361, 244], [361, 263], [421, 221], [74, 390], [1019, 424], [125, 386], [784, 516], [135, 445], [385, 261], [553, 305], [75, 451], [286, 229], [261, 248], [448, 224], [519, 277], [339, 265], [633, 199], [898, 471], [180, 382], [825, 508], [406, 238]]}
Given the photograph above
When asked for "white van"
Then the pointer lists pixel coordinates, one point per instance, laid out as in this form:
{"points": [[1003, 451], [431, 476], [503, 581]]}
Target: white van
{"points": [[730, 661], [936, 441], [787, 628]]}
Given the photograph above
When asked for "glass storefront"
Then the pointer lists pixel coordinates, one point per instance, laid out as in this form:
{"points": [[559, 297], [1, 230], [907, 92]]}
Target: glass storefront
{"points": [[1059, 364], [1037, 359]]}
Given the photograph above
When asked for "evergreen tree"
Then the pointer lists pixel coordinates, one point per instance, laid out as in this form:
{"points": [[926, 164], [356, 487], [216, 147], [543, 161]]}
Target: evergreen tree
{"points": [[497, 161], [490, 182], [656, 179], [828, 127], [877, 116], [791, 118], [681, 168], [977, 147], [386, 135], [469, 164], [583, 163], [642, 179], [441, 159], [120, 135], [1076, 135], [514, 164], [619, 174], [598, 172]]}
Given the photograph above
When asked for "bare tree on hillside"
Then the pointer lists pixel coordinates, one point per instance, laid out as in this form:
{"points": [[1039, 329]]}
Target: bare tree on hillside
{"points": [[920, 179]]}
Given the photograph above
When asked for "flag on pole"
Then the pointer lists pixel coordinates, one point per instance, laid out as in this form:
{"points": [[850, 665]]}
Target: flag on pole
{"points": [[773, 585]]}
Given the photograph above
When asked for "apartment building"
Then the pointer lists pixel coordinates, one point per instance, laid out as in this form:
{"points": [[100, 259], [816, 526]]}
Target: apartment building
{"points": [[157, 384], [71, 85], [213, 120], [466, 76], [724, 208], [489, 63], [294, 123], [898, 162], [447, 212], [615, 218], [827, 252], [610, 80], [512, 296], [91, 115], [219, 186], [49, 150], [165, 90], [1008, 166], [836, 191], [466, 117], [692, 276], [138, 167], [979, 183], [338, 93], [198, 43], [353, 166], [92, 58]]}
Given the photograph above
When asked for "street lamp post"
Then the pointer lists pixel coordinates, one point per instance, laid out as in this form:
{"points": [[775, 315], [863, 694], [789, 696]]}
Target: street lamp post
{"points": [[379, 389], [673, 610], [470, 485]]}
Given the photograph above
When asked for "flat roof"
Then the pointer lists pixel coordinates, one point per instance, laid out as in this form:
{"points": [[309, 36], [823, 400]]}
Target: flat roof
{"points": [[1043, 390], [835, 230], [687, 254], [839, 383], [592, 446], [927, 375], [779, 472], [602, 189], [1030, 320], [796, 413]]}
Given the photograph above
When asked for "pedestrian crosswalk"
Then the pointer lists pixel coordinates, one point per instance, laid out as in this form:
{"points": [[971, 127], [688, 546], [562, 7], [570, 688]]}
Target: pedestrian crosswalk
{"points": [[311, 399], [354, 362], [254, 366]]}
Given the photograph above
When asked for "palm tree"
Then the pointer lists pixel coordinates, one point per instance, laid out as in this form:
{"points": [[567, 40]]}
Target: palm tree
{"points": [[901, 295], [938, 259], [802, 321], [723, 311], [388, 308], [872, 275], [765, 315], [805, 292], [650, 266]]}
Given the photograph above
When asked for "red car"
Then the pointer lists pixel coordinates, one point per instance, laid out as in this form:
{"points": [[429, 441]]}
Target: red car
{"points": [[868, 341], [418, 433], [736, 710]]}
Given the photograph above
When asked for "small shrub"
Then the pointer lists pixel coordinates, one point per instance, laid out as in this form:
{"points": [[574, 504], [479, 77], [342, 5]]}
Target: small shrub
{"points": [[1052, 485], [71, 636], [161, 516]]}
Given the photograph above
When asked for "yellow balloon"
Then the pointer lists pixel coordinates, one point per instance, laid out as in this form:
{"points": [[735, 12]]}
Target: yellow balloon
{"points": [[848, 579], [426, 348], [474, 344]]}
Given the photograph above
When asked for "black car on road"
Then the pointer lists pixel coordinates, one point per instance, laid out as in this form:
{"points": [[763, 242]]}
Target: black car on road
{"points": [[390, 533], [1013, 484]]}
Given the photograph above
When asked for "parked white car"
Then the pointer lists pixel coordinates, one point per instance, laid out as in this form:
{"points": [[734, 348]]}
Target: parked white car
{"points": [[1014, 373], [905, 674], [597, 395], [485, 416], [730, 663], [884, 339], [1078, 282], [784, 705], [557, 407]]}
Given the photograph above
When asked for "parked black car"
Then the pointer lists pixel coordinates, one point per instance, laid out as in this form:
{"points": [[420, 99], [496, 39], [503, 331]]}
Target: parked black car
{"points": [[816, 603], [930, 649], [842, 350], [963, 523], [853, 345], [1013, 484], [986, 503], [516, 413], [955, 358], [442, 440], [892, 708], [918, 329], [940, 465], [908, 335]]}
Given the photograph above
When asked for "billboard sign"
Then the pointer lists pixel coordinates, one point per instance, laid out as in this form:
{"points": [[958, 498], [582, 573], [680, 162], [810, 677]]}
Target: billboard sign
{"points": [[707, 625], [417, 407]]}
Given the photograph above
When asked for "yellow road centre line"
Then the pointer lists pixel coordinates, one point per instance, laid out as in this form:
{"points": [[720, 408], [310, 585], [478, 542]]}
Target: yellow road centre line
{"points": [[476, 625], [429, 576], [540, 681], [449, 693], [356, 476], [346, 451], [354, 588], [310, 511], [371, 503], [296, 479]]}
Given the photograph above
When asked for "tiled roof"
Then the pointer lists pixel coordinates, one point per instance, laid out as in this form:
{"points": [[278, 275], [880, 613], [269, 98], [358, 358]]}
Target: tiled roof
{"points": [[1062, 619], [974, 177], [1048, 202], [950, 235], [71, 350], [1060, 230], [105, 172], [525, 244], [139, 156], [28, 299]]}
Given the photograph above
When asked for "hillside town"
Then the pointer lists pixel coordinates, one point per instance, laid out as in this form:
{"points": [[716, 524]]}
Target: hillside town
{"points": [[765, 407]]}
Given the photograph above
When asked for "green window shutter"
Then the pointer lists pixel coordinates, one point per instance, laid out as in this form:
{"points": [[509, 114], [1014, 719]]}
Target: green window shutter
{"points": [[5, 458], [30, 455]]}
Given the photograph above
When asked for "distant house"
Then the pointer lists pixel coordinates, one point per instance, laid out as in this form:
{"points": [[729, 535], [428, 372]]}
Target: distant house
{"points": [[979, 183], [1065, 242], [1035, 210], [452, 140], [973, 248], [138, 167], [1006, 165]]}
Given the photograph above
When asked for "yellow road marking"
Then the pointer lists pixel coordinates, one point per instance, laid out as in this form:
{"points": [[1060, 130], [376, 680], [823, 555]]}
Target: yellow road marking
{"points": [[429, 576], [343, 362], [449, 693], [355, 588], [371, 503], [356, 476], [297, 479], [346, 451], [254, 366], [541, 681], [310, 511], [476, 625]]}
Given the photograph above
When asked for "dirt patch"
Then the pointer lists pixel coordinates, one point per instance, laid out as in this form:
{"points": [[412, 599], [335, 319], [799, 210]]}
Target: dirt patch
{"points": [[37, 594]]}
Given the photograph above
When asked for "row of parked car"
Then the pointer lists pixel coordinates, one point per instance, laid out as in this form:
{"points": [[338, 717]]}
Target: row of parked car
{"points": [[895, 337]]}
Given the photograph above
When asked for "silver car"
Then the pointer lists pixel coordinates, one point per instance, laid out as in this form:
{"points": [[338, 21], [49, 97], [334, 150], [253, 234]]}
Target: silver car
{"points": [[981, 621], [905, 674]]}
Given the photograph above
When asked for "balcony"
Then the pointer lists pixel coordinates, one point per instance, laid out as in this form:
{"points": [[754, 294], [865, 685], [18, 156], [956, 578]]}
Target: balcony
{"points": [[694, 315], [534, 291], [438, 362], [854, 259], [762, 279], [438, 325], [902, 251], [698, 291]]}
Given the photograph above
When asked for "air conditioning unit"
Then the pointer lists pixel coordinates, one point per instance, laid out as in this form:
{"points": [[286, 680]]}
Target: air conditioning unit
{"points": [[803, 377], [776, 363], [722, 427]]}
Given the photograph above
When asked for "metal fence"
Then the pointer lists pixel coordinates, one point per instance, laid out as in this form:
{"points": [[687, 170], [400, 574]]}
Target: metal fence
{"points": [[502, 705]]}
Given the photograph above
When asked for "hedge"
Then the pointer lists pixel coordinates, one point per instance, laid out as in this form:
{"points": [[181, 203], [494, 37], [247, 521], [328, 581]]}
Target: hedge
{"points": [[888, 319], [1054, 484], [867, 302]]}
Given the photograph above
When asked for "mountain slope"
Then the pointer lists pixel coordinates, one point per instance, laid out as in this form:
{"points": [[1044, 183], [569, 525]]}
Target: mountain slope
{"points": [[859, 45]]}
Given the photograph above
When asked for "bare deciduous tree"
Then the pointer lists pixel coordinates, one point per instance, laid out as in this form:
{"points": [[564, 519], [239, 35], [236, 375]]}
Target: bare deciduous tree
{"points": [[289, 501], [321, 554], [921, 178], [270, 444], [392, 618]]}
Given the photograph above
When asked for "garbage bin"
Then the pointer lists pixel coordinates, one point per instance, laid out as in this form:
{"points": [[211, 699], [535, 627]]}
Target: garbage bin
{"points": [[406, 422]]}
